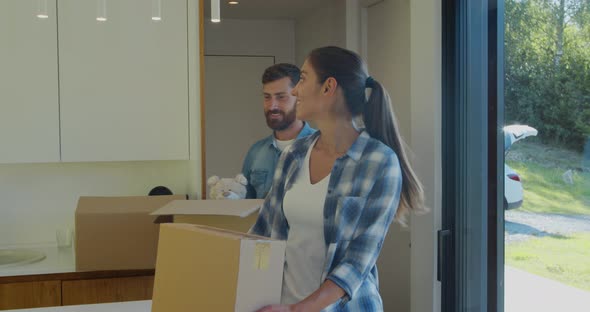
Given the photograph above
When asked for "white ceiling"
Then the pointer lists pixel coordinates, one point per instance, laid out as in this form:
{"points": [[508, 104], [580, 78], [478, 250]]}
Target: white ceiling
{"points": [[266, 9]]}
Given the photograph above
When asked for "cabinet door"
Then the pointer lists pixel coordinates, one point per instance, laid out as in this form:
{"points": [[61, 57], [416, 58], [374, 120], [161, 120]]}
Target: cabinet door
{"points": [[107, 290], [30, 294], [123, 81], [29, 109]]}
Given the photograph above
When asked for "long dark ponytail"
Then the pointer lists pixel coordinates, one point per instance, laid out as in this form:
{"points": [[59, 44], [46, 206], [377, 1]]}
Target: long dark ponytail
{"points": [[350, 72]]}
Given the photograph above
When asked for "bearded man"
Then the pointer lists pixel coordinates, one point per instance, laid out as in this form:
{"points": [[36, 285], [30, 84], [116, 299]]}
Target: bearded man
{"points": [[279, 110]]}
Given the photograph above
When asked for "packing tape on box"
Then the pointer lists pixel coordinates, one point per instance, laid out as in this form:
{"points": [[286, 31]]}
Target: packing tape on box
{"points": [[262, 256]]}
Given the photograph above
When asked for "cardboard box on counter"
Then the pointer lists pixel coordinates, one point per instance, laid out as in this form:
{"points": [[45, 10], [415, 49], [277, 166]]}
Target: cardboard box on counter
{"points": [[117, 233], [237, 215], [200, 268]]}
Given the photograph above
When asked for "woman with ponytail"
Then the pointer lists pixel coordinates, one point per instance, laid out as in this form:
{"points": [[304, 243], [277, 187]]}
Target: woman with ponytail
{"points": [[336, 192]]}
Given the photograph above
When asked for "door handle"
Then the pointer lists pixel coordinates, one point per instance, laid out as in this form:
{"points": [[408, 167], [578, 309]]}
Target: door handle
{"points": [[442, 239]]}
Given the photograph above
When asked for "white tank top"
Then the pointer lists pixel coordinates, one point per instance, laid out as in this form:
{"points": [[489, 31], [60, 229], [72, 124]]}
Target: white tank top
{"points": [[281, 145], [305, 255]]}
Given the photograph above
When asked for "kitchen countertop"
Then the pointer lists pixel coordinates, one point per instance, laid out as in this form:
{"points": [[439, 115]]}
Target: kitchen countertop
{"points": [[130, 306], [59, 264], [57, 260]]}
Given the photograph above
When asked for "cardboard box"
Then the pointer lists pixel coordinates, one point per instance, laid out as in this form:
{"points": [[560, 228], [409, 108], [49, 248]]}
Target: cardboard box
{"points": [[200, 268], [236, 215], [117, 233]]}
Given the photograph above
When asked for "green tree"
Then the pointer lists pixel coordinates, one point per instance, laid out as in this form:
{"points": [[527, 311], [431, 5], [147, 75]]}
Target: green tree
{"points": [[547, 66]]}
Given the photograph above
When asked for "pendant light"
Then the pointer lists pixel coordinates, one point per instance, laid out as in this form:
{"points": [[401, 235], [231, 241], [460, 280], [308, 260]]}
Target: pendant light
{"points": [[156, 10], [215, 11], [101, 10], [42, 9]]}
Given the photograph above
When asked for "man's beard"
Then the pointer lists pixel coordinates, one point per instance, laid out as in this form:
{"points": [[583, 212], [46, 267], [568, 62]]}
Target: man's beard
{"points": [[280, 124]]}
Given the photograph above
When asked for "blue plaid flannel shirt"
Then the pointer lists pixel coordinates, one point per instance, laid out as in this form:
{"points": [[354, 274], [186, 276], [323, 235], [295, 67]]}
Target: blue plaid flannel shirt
{"points": [[362, 198]]}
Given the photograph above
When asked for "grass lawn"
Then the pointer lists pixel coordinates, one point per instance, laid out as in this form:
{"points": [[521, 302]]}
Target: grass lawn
{"points": [[541, 168], [565, 259], [545, 191]]}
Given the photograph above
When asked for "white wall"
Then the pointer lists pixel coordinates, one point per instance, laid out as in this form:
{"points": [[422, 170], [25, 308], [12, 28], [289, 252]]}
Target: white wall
{"points": [[235, 37], [234, 120], [388, 56], [36, 199], [388, 39], [320, 27], [251, 37], [404, 53], [426, 94]]}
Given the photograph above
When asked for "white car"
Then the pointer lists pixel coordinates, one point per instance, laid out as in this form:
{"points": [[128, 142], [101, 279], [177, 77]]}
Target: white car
{"points": [[513, 194]]}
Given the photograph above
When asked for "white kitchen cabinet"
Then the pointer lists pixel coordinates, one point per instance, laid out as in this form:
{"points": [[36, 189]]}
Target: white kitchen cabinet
{"points": [[123, 82], [29, 108]]}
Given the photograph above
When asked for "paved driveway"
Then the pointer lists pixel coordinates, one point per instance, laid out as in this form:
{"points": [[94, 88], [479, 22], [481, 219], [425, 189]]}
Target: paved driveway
{"points": [[524, 292], [521, 225]]}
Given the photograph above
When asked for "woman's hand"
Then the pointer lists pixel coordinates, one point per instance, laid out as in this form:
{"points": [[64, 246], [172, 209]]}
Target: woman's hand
{"points": [[278, 308], [327, 294]]}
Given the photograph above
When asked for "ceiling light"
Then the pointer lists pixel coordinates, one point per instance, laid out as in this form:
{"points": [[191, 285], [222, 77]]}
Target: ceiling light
{"points": [[233, 2]]}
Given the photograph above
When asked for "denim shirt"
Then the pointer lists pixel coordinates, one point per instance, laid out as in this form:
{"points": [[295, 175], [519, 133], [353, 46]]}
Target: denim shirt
{"points": [[363, 195], [260, 162]]}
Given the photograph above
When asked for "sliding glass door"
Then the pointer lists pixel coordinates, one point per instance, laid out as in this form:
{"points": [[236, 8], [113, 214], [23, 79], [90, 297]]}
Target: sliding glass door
{"points": [[471, 246]]}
